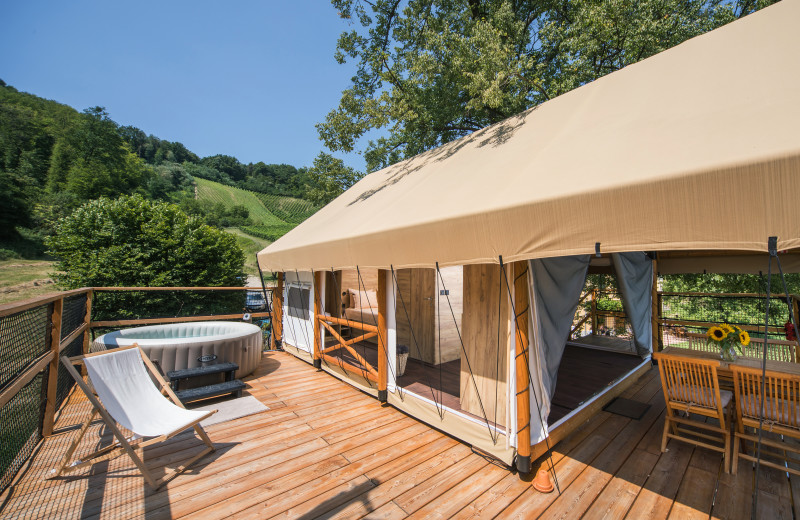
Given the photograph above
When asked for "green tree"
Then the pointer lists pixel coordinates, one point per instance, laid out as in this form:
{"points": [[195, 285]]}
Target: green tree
{"points": [[15, 202], [227, 165], [430, 71], [329, 178], [134, 242]]}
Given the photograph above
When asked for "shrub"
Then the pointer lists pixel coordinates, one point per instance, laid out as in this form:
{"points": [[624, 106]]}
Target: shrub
{"points": [[134, 242], [7, 254]]}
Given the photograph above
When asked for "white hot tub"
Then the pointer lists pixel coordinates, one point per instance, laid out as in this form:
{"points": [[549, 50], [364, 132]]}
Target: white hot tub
{"points": [[189, 345]]}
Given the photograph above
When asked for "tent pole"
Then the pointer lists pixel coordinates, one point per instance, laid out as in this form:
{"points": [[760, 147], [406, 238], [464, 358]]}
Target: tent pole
{"points": [[383, 358], [277, 315], [656, 303], [522, 376], [317, 312]]}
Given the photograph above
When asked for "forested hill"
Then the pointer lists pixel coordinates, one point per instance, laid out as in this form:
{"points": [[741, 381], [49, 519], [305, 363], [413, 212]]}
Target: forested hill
{"points": [[54, 158]]}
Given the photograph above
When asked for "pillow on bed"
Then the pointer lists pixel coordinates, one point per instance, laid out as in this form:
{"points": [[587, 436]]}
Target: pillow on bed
{"points": [[361, 299]]}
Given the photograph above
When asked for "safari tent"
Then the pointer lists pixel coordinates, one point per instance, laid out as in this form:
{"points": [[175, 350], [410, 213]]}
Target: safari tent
{"points": [[475, 253]]}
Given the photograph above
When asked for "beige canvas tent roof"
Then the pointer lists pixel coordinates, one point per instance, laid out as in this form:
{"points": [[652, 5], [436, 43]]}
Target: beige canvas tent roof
{"points": [[696, 148]]}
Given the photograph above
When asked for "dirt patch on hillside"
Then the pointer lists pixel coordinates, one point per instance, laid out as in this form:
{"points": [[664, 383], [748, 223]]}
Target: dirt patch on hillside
{"points": [[27, 285]]}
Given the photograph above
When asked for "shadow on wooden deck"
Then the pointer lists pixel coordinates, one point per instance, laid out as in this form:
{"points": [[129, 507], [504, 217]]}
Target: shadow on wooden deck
{"points": [[327, 450]]}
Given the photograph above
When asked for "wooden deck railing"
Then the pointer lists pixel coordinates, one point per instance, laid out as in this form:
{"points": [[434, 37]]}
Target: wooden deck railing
{"points": [[35, 333], [367, 371]]}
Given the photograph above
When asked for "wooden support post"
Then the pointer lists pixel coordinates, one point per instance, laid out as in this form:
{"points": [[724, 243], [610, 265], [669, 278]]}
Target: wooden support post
{"points": [[318, 277], [656, 309], [52, 374], [87, 320], [276, 321], [593, 310], [522, 377], [796, 322], [383, 344]]}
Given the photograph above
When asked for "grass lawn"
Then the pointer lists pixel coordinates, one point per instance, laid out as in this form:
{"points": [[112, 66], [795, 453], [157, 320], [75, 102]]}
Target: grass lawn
{"points": [[24, 279], [251, 246]]}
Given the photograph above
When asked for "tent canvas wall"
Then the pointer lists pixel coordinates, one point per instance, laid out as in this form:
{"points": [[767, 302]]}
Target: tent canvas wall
{"points": [[694, 149]]}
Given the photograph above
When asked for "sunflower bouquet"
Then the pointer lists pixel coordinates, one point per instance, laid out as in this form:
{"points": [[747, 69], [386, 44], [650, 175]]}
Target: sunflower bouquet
{"points": [[728, 338]]}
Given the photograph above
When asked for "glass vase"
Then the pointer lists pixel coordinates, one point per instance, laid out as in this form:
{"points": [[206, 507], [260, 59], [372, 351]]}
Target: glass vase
{"points": [[729, 354]]}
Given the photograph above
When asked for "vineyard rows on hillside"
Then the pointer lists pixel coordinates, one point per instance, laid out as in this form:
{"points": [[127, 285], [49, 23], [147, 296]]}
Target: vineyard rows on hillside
{"points": [[273, 216]]}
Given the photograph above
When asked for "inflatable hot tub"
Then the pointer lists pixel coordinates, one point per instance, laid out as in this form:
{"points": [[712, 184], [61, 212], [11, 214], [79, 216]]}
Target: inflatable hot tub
{"points": [[189, 345]]}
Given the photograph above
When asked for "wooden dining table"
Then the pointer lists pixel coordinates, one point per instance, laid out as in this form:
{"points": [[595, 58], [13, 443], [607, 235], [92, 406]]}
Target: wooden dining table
{"points": [[724, 371]]}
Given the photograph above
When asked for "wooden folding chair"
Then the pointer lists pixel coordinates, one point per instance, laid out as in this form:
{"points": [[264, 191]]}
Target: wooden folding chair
{"points": [[123, 392], [781, 402], [691, 387]]}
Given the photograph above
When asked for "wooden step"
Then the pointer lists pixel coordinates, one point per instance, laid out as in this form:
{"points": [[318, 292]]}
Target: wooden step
{"points": [[202, 371], [234, 388]]}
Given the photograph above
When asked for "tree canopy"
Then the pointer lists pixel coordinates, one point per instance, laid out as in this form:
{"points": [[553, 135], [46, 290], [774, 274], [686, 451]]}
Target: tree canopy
{"points": [[329, 177], [431, 71], [131, 241]]}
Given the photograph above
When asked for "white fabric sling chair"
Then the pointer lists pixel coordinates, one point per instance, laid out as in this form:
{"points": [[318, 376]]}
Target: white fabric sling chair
{"points": [[128, 396]]}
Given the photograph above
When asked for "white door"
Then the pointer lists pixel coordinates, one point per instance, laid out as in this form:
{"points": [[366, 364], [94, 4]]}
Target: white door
{"points": [[298, 314]]}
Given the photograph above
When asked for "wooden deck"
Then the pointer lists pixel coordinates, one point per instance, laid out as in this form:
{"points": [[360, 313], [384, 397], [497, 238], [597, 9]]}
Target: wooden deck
{"points": [[327, 450]]}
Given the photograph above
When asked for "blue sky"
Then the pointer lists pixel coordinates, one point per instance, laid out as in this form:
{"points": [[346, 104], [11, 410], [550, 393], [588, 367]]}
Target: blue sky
{"points": [[243, 78]]}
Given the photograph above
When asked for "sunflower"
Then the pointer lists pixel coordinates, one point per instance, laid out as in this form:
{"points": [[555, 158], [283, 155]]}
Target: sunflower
{"points": [[744, 338], [716, 333], [727, 328]]}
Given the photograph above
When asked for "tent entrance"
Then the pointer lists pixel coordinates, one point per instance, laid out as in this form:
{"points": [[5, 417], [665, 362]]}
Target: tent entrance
{"points": [[600, 321], [584, 373], [433, 311]]}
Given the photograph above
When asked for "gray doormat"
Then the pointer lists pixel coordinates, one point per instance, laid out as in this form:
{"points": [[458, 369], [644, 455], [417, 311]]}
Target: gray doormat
{"points": [[232, 409], [627, 408]]}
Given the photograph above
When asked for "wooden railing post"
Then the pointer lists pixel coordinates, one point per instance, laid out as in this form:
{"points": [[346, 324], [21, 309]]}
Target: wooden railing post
{"points": [[522, 376], [593, 310], [52, 374], [383, 358], [87, 320], [317, 311], [796, 322], [276, 321], [655, 310]]}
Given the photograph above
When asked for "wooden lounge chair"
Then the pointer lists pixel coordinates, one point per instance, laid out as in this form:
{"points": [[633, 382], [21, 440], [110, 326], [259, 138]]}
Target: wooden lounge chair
{"points": [[781, 415], [124, 393], [691, 387]]}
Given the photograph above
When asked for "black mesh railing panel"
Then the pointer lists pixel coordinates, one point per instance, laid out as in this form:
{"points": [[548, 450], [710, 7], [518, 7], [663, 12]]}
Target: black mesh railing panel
{"points": [[696, 312], [20, 428], [73, 314], [23, 338], [65, 381], [122, 305]]}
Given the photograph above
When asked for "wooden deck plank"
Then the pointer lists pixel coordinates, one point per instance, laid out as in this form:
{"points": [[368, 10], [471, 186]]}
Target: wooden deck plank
{"points": [[292, 455], [658, 493], [696, 493], [581, 493], [495, 499], [618, 495], [252, 475], [424, 492], [452, 501], [325, 449], [391, 481], [574, 454]]}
